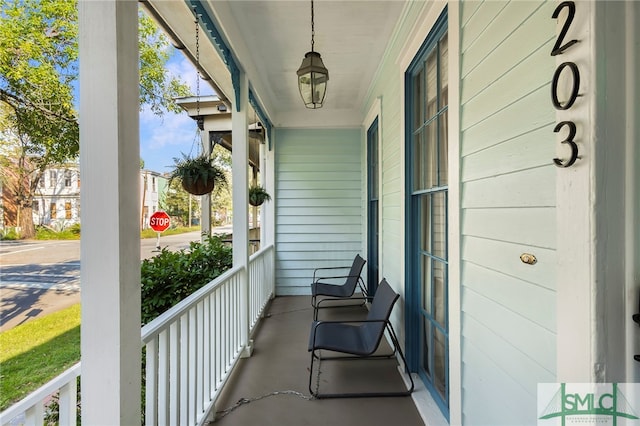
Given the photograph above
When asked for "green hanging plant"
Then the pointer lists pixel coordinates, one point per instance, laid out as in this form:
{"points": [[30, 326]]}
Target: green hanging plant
{"points": [[198, 175], [258, 195]]}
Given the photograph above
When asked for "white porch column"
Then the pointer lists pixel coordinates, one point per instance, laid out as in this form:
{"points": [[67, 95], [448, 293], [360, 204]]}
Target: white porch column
{"points": [[240, 194], [596, 215], [110, 249]]}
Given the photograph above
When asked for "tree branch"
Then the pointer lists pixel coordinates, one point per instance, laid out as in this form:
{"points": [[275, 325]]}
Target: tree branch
{"points": [[7, 97]]}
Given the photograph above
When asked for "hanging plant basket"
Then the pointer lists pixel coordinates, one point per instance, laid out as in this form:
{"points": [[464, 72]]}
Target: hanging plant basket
{"points": [[258, 195], [198, 186], [198, 175]]}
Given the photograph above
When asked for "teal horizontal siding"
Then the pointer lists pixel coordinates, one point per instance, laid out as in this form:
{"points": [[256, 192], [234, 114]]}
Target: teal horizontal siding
{"points": [[319, 214]]}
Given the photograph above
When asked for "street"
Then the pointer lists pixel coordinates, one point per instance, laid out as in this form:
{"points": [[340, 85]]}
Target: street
{"points": [[40, 277]]}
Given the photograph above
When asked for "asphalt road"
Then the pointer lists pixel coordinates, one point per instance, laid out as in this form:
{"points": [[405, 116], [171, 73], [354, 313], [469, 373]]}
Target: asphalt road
{"points": [[41, 277]]}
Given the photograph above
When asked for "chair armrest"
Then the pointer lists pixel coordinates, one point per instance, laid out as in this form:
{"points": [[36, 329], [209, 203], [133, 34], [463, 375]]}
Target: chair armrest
{"points": [[327, 268], [330, 299], [321, 279], [316, 324]]}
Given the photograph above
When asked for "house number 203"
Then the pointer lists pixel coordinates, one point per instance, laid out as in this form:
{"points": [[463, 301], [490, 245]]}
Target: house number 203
{"points": [[558, 49]]}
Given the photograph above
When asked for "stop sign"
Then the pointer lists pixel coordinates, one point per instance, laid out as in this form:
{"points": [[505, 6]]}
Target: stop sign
{"points": [[159, 221]]}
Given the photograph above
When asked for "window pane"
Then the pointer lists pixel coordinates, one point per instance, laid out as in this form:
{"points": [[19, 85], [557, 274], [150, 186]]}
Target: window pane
{"points": [[444, 72], [439, 224], [374, 164], [425, 223], [439, 369], [426, 284], [431, 161], [419, 155], [418, 100], [443, 172], [427, 344], [431, 84], [425, 158], [439, 295]]}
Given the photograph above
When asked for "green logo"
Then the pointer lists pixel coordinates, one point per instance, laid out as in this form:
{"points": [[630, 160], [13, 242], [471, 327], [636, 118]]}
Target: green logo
{"points": [[600, 403]]}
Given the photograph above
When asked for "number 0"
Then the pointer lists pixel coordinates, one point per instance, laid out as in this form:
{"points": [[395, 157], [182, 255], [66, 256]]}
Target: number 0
{"points": [[574, 90]]}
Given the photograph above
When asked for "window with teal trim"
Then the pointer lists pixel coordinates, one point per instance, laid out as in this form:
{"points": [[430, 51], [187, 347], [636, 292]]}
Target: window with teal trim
{"points": [[427, 208]]}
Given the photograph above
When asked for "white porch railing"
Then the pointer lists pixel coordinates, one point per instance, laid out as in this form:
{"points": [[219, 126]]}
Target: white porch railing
{"points": [[31, 410], [191, 351]]}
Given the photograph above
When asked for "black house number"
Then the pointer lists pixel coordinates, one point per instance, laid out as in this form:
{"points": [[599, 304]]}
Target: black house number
{"points": [[558, 49]]}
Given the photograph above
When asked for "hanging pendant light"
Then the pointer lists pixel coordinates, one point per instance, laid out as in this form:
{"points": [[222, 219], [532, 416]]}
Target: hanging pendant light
{"points": [[312, 75]]}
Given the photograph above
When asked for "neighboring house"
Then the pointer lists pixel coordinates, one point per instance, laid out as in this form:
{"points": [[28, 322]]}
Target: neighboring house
{"points": [[56, 202], [153, 189], [481, 161]]}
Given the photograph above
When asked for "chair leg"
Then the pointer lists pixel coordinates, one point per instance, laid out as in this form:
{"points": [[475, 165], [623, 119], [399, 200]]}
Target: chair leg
{"points": [[317, 394], [311, 391]]}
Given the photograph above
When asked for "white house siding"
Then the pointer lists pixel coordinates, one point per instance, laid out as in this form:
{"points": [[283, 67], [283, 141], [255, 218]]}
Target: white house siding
{"points": [[508, 208], [319, 215]]}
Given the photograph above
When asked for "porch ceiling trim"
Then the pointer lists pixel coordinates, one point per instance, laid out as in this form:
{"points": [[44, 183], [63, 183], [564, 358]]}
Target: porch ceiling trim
{"points": [[201, 14]]}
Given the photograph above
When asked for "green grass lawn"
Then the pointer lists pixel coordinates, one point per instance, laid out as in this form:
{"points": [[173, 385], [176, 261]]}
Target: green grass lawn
{"points": [[33, 353]]}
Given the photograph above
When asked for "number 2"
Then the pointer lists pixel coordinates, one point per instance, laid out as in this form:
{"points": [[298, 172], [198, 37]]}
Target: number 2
{"points": [[558, 48]]}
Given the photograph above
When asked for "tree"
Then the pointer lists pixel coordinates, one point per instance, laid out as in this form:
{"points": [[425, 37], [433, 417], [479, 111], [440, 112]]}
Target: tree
{"points": [[38, 76], [176, 203]]}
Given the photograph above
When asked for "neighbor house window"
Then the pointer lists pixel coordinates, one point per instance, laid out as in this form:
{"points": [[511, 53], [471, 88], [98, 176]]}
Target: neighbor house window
{"points": [[67, 178], [53, 211], [53, 178], [67, 210]]}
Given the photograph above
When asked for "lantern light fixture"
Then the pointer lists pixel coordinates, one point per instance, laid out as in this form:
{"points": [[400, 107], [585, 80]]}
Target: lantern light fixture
{"points": [[312, 74]]}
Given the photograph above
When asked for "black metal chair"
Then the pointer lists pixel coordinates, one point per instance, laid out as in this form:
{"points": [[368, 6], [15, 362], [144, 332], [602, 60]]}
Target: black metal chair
{"points": [[331, 290], [359, 340]]}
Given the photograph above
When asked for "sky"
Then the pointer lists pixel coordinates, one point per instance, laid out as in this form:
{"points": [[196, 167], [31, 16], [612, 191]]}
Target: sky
{"points": [[164, 138]]}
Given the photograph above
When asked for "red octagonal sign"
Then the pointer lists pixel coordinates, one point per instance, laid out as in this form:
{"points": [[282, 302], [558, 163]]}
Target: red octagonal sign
{"points": [[159, 221]]}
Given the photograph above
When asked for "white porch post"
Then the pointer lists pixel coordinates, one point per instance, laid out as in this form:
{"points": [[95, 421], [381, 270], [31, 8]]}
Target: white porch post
{"points": [[596, 217], [110, 250], [240, 193]]}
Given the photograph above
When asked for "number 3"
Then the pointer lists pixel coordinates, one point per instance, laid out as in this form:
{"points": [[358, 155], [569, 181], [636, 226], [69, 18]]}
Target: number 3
{"points": [[569, 140]]}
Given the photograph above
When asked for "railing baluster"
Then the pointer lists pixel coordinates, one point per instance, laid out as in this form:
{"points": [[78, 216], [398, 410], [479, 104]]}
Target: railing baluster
{"points": [[183, 383], [174, 374], [190, 351], [151, 383], [164, 371], [192, 366], [67, 400], [203, 371]]}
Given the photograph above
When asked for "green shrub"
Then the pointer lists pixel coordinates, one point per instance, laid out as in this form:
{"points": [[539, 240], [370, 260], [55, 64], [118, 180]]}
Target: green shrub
{"points": [[170, 277]]}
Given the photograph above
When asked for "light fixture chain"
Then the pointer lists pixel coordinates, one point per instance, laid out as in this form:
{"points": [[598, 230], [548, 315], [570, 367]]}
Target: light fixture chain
{"points": [[313, 31]]}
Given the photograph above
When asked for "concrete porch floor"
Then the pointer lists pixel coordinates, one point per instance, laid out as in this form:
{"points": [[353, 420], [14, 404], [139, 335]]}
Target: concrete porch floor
{"points": [[271, 387]]}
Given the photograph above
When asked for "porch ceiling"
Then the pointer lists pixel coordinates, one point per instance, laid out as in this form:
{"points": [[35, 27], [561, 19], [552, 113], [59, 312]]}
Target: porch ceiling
{"points": [[269, 39]]}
